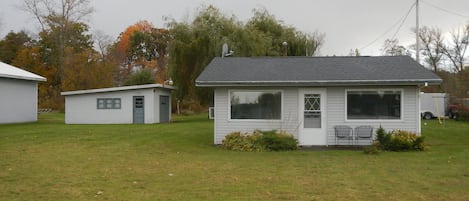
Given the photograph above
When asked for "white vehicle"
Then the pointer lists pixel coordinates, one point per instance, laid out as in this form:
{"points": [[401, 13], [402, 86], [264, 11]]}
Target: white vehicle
{"points": [[433, 105]]}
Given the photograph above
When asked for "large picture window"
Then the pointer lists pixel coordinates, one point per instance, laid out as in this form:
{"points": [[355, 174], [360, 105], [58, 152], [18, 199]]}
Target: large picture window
{"points": [[256, 105], [109, 103], [378, 104]]}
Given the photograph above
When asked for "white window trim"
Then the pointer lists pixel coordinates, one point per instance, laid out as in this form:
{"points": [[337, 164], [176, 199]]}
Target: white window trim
{"points": [[256, 90], [113, 102], [375, 120]]}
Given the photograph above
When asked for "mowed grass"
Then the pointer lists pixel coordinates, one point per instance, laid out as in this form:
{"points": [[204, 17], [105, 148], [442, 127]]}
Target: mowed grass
{"points": [[49, 160]]}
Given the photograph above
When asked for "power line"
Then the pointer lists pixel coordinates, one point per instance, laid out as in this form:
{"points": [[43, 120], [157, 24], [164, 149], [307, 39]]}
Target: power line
{"points": [[390, 28], [402, 23], [445, 10]]}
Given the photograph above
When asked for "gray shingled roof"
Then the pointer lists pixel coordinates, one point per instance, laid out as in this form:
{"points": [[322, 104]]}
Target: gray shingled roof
{"points": [[314, 71]]}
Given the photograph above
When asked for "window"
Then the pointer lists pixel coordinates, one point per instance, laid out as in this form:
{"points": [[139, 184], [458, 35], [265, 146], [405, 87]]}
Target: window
{"points": [[374, 104], [109, 103], [256, 105]]}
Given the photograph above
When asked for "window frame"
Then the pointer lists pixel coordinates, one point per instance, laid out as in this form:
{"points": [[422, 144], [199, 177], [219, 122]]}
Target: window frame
{"points": [[112, 101], [256, 90], [401, 117]]}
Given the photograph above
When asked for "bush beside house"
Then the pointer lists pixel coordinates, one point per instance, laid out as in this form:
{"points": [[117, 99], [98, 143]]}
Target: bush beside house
{"points": [[399, 140], [260, 141]]}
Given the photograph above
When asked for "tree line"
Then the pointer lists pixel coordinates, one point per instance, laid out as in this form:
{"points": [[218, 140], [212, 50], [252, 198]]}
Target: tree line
{"points": [[72, 58], [447, 57]]}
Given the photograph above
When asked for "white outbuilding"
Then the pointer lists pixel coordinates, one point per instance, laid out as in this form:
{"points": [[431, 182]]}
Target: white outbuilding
{"points": [[18, 99], [150, 103]]}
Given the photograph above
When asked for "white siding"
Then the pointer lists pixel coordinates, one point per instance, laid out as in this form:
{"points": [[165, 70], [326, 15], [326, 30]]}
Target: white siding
{"points": [[18, 100], [224, 126], [82, 109], [335, 109]]}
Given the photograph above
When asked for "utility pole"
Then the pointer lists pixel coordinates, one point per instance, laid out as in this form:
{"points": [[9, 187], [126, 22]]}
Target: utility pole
{"points": [[417, 53]]}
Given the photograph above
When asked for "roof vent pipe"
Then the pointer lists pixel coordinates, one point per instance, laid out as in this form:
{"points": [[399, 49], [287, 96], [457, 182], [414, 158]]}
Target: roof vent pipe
{"points": [[225, 52]]}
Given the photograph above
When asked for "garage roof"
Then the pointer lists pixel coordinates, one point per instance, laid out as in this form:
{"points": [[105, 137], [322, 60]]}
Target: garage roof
{"points": [[124, 88], [9, 71]]}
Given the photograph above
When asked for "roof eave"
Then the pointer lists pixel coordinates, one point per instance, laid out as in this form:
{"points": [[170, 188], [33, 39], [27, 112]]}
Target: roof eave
{"points": [[318, 83], [113, 89], [39, 78]]}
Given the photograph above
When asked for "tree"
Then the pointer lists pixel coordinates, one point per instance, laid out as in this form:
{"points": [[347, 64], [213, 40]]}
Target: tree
{"points": [[432, 46], [61, 18], [49, 12], [11, 44], [270, 28], [275, 32], [391, 47], [31, 59], [63, 34], [103, 43], [143, 46], [194, 44], [456, 50], [142, 76], [54, 54], [85, 70], [314, 42], [354, 52]]}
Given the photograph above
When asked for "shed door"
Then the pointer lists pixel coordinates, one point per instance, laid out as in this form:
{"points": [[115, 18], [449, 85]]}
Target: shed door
{"points": [[164, 108], [139, 110], [312, 117]]}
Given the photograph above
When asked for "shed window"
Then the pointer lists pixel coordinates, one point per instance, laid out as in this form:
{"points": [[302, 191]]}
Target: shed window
{"points": [[109, 103], [374, 104], [256, 105]]}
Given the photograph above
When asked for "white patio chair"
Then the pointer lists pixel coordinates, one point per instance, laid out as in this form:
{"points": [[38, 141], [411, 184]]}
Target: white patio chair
{"points": [[363, 133], [343, 132]]}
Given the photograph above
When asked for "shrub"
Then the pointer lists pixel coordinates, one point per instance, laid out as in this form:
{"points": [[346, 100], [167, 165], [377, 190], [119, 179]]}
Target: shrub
{"points": [[383, 138], [400, 140], [238, 141], [278, 141], [259, 141], [371, 150], [419, 144]]}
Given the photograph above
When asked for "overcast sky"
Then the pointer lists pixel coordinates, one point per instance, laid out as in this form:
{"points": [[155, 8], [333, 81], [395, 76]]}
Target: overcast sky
{"points": [[347, 24]]}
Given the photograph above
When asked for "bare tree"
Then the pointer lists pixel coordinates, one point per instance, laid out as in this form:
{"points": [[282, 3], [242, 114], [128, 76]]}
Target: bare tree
{"points": [[103, 42], [457, 48], [432, 46], [314, 43], [47, 12], [391, 47], [354, 52]]}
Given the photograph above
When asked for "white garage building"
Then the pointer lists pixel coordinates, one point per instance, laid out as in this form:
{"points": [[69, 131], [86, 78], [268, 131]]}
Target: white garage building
{"points": [[18, 99], [150, 103]]}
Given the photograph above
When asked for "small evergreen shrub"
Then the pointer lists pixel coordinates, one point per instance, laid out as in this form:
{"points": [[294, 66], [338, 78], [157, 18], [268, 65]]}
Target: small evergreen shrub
{"points": [[260, 141], [399, 140], [278, 141]]}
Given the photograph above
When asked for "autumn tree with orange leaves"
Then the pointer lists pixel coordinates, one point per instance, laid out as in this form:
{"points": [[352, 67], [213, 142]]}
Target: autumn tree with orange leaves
{"points": [[142, 46]]}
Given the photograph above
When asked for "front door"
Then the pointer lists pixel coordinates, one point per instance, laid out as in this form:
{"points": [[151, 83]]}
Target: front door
{"points": [[312, 117], [164, 109], [139, 110]]}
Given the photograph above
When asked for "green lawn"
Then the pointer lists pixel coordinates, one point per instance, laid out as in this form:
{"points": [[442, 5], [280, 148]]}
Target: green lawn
{"points": [[52, 161]]}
